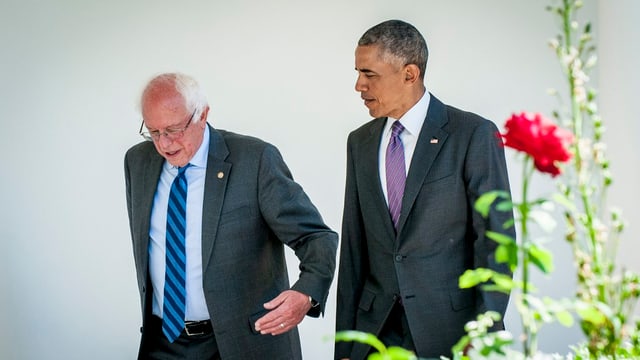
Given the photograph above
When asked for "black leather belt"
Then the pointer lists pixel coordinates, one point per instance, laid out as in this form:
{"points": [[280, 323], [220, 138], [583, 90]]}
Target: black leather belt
{"points": [[195, 328], [191, 328]]}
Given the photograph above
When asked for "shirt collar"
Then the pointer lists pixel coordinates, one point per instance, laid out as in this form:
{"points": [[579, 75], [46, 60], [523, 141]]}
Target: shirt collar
{"points": [[200, 158]]}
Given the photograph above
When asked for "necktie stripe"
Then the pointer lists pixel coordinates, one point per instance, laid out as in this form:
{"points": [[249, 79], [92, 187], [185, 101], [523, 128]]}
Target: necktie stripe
{"points": [[174, 273], [176, 208], [174, 265], [174, 301], [174, 232], [175, 269]]}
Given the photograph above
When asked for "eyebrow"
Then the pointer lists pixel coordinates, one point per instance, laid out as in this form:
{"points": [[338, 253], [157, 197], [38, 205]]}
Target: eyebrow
{"points": [[366, 71], [172, 126]]}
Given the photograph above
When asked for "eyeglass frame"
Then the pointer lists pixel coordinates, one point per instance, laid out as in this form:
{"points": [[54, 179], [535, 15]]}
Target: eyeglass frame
{"points": [[171, 134]]}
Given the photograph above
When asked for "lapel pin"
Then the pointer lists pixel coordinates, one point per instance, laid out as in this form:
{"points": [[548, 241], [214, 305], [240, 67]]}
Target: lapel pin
{"points": [[220, 175], [433, 141]]}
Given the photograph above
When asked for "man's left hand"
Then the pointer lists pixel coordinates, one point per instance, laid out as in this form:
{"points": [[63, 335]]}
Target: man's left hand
{"points": [[286, 311]]}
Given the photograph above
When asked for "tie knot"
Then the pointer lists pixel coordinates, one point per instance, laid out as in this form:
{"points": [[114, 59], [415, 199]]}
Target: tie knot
{"points": [[396, 128], [181, 170]]}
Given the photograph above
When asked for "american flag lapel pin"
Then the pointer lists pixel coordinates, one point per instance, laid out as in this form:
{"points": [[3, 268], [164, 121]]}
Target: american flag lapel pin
{"points": [[433, 140]]}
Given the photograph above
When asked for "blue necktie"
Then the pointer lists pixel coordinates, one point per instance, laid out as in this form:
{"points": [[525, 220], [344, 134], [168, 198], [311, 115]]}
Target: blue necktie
{"points": [[396, 174], [176, 259]]}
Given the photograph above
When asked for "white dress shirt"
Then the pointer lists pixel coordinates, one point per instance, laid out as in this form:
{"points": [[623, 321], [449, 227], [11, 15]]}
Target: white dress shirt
{"points": [[196, 306], [412, 121]]}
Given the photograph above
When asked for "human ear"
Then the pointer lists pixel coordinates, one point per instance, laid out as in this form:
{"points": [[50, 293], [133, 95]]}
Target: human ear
{"points": [[411, 73]]}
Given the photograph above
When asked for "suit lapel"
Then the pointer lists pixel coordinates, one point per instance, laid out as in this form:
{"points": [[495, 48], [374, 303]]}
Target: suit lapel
{"points": [[431, 139], [151, 176], [370, 167], [215, 186]]}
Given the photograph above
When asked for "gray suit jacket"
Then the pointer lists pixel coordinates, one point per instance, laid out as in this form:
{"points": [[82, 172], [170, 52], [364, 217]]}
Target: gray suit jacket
{"points": [[439, 236], [248, 214]]}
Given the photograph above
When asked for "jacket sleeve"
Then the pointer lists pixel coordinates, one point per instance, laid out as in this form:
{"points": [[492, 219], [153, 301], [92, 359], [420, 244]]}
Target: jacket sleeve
{"points": [[298, 224], [486, 170]]}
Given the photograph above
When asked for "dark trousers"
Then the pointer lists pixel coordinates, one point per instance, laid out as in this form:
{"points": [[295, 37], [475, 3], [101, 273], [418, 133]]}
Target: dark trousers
{"points": [[155, 345], [395, 331]]}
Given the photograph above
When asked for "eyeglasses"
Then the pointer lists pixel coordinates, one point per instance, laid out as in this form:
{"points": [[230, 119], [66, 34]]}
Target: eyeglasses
{"points": [[170, 133]]}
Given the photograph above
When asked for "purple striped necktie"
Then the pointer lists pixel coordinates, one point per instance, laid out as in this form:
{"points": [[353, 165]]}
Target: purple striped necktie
{"points": [[396, 174]]}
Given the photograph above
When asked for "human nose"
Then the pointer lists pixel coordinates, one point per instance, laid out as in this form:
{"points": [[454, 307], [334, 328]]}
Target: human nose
{"points": [[361, 83], [164, 139]]}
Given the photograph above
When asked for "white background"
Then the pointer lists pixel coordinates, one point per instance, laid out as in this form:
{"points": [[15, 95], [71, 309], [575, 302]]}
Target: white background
{"points": [[71, 72]]}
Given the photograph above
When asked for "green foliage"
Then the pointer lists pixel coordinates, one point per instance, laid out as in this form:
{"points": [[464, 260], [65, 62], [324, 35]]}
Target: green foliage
{"points": [[540, 257], [487, 200], [605, 296], [480, 339], [383, 353]]}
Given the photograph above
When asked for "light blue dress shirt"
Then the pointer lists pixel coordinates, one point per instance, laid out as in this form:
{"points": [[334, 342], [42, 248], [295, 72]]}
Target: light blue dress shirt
{"points": [[195, 301]]}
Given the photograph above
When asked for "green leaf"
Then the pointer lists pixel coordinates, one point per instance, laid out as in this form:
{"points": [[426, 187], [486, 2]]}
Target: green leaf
{"points": [[503, 281], [542, 258], [565, 318], [378, 356], [509, 223], [496, 288], [484, 202], [502, 254], [361, 337], [590, 313], [507, 251], [471, 278], [500, 282], [458, 348], [500, 238], [398, 353], [505, 206]]}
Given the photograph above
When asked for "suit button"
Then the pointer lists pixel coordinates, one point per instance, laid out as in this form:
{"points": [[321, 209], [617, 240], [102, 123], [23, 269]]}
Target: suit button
{"points": [[399, 258]]}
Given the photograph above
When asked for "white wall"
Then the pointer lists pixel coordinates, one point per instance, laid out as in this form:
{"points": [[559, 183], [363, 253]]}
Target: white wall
{"points": [[71, 73], [619, 82]]}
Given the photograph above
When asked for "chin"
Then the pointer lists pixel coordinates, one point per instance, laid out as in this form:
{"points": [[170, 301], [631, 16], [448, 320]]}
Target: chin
{"points": [[176, 163]]}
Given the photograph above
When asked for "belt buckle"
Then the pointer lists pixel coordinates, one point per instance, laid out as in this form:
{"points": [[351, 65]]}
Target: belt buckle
{"points": [[189, 333]]}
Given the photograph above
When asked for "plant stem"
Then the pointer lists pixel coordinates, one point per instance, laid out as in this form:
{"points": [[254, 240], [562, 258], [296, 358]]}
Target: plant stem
{"points": [[578, 127], [527, 171]]}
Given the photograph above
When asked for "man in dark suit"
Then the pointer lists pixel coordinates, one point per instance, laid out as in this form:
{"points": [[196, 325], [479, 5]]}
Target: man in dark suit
{"points": [[409, 229], [221, 290]]}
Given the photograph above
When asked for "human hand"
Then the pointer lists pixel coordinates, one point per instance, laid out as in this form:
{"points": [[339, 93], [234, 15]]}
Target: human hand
{"points": [[286, 311]]}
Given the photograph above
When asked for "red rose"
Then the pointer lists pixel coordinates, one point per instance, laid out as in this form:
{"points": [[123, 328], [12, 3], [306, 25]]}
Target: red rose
{"points": [[539, 137]]}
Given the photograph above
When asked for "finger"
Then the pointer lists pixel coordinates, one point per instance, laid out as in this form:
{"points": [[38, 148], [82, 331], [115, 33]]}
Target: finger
{"points": [[277, 330], [282, 323], [269, 320], [275, 302], [275, 327]]}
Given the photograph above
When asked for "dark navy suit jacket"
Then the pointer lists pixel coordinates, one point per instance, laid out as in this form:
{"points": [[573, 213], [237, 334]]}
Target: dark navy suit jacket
{"points": [[458, 157]]}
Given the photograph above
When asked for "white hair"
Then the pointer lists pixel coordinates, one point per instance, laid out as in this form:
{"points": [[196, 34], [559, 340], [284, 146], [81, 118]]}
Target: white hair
{"points": [[194, 98]]}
